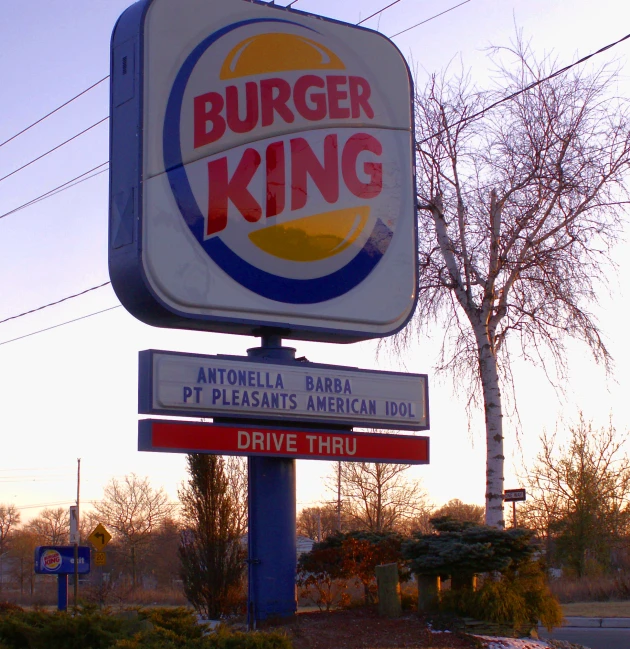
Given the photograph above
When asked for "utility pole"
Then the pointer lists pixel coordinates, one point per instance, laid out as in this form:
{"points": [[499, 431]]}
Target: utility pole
{"points": [[339, 497], [76, 541]]}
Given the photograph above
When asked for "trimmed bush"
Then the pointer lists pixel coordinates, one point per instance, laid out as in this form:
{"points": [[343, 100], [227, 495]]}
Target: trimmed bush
{"points": [[42, 630], [152, 629], [518, 599]]}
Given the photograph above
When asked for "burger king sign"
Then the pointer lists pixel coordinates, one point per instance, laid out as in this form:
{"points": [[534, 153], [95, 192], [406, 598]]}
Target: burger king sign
{"points": [[261, 172]]}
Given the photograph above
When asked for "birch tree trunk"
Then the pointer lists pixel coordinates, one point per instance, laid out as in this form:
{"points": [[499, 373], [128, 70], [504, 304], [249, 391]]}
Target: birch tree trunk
{"points": [[494, 435]]}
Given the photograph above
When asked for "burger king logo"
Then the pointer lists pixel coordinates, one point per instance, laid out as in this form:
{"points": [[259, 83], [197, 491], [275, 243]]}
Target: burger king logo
{"points": [[50, 560], [279, 157]]}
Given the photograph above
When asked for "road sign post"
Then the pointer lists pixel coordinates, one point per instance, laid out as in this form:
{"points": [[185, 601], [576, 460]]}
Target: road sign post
{"points": [[514, 496]]}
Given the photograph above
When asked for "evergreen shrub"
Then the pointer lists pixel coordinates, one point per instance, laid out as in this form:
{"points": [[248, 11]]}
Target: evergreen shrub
{"points": [[152, 629], [518, 598]]}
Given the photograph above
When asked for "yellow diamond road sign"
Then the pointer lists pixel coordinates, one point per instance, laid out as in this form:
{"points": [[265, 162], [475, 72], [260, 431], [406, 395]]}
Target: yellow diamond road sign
{"points": [[100, 537]]}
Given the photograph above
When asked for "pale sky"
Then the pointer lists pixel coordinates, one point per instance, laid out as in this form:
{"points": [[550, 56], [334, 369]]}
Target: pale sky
{"points": [[72, 391]]}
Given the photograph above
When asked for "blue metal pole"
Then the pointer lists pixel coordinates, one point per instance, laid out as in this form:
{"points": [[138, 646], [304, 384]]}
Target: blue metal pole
{"points": [[62, 592], [271, 537]]}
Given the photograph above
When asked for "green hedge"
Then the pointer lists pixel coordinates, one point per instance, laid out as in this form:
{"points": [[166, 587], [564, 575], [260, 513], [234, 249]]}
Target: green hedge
{"points": [[152, 629]]}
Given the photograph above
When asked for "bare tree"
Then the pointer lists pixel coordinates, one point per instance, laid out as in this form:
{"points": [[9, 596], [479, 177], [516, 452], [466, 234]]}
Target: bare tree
{"points": [[317, 522], [518, 206], [23, 544], [9, 520], [132, 510], [162, 554], [52, 526], [236, 474], [579, 495], [378, 497], [461, 511]]}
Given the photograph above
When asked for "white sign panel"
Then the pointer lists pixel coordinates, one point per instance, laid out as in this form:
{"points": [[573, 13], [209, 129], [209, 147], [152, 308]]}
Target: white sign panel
{"points": [[74, 524], [276, 183], [202, 386]]}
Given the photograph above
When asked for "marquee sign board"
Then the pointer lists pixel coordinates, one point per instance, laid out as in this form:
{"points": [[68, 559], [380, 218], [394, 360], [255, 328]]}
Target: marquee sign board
{"points": [[172, 383], [261, 172], [186, 437]]}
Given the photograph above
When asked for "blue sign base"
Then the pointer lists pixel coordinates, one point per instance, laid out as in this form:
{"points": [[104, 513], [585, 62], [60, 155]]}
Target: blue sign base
{"points": [[62, 592], [271, 538]]}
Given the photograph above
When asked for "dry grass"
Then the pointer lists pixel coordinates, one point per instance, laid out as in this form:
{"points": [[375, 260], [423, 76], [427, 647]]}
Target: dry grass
{"points": [[597, 609], [592, 589]]}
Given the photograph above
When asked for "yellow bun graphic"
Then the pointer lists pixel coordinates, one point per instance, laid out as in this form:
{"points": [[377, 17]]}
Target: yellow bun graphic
{"points": [[278, 53], [315, 237]]}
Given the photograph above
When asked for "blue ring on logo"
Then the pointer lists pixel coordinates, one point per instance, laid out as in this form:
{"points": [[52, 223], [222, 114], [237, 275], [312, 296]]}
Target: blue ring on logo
{"points": [[268, 285]]}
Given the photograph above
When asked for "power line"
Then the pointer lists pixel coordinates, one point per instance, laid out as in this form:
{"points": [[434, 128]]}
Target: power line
{"points": [[466, 119], [428, 19], [43, 155], [60, 188], [45, 306], [62, 502], [380, 11], [39, 469], [532, 85], [10, 480], [89, 315], [52, 112], [376, 13]]}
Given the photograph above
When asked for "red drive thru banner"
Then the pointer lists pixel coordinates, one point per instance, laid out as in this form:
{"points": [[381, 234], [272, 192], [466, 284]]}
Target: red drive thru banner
{"points": [[185, 437]]}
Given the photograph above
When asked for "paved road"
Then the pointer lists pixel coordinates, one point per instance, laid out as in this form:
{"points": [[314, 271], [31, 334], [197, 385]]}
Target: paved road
{"points": [[592, 638]]}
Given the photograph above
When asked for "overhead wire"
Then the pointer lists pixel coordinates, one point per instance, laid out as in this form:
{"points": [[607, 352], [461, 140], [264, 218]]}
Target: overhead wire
{"points": [[45, 306], [43, 155], [530, 86], [52, 112], [428, 19], [55, 504], [69, 184], [380, 11], [60, 188], [89, 128], [61, 324], [465, 119]]}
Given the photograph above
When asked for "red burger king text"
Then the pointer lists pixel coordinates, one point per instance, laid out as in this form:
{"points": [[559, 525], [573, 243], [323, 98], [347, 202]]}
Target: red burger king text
{"points": [[268, 101], [337, 166], [52, 560]]}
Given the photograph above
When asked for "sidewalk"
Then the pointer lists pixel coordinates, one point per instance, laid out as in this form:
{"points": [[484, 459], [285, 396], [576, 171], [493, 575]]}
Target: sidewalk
{"points": [[597, 622]]}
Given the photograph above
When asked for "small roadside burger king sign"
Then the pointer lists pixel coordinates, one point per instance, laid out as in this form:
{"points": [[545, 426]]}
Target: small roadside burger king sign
{"points": [[261, 172], [50, 561]]}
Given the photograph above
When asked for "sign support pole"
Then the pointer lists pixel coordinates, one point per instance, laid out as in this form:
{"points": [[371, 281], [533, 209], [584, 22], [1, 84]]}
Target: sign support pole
{"points": [[62, 592], [513, 513], [271, 536], [76, 543]]}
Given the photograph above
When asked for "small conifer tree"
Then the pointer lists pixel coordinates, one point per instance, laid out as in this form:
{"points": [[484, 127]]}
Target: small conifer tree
{"points": [[211, 553]]}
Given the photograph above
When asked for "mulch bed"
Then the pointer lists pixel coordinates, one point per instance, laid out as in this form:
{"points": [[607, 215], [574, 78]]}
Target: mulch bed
{"points": [[362, 628]]}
